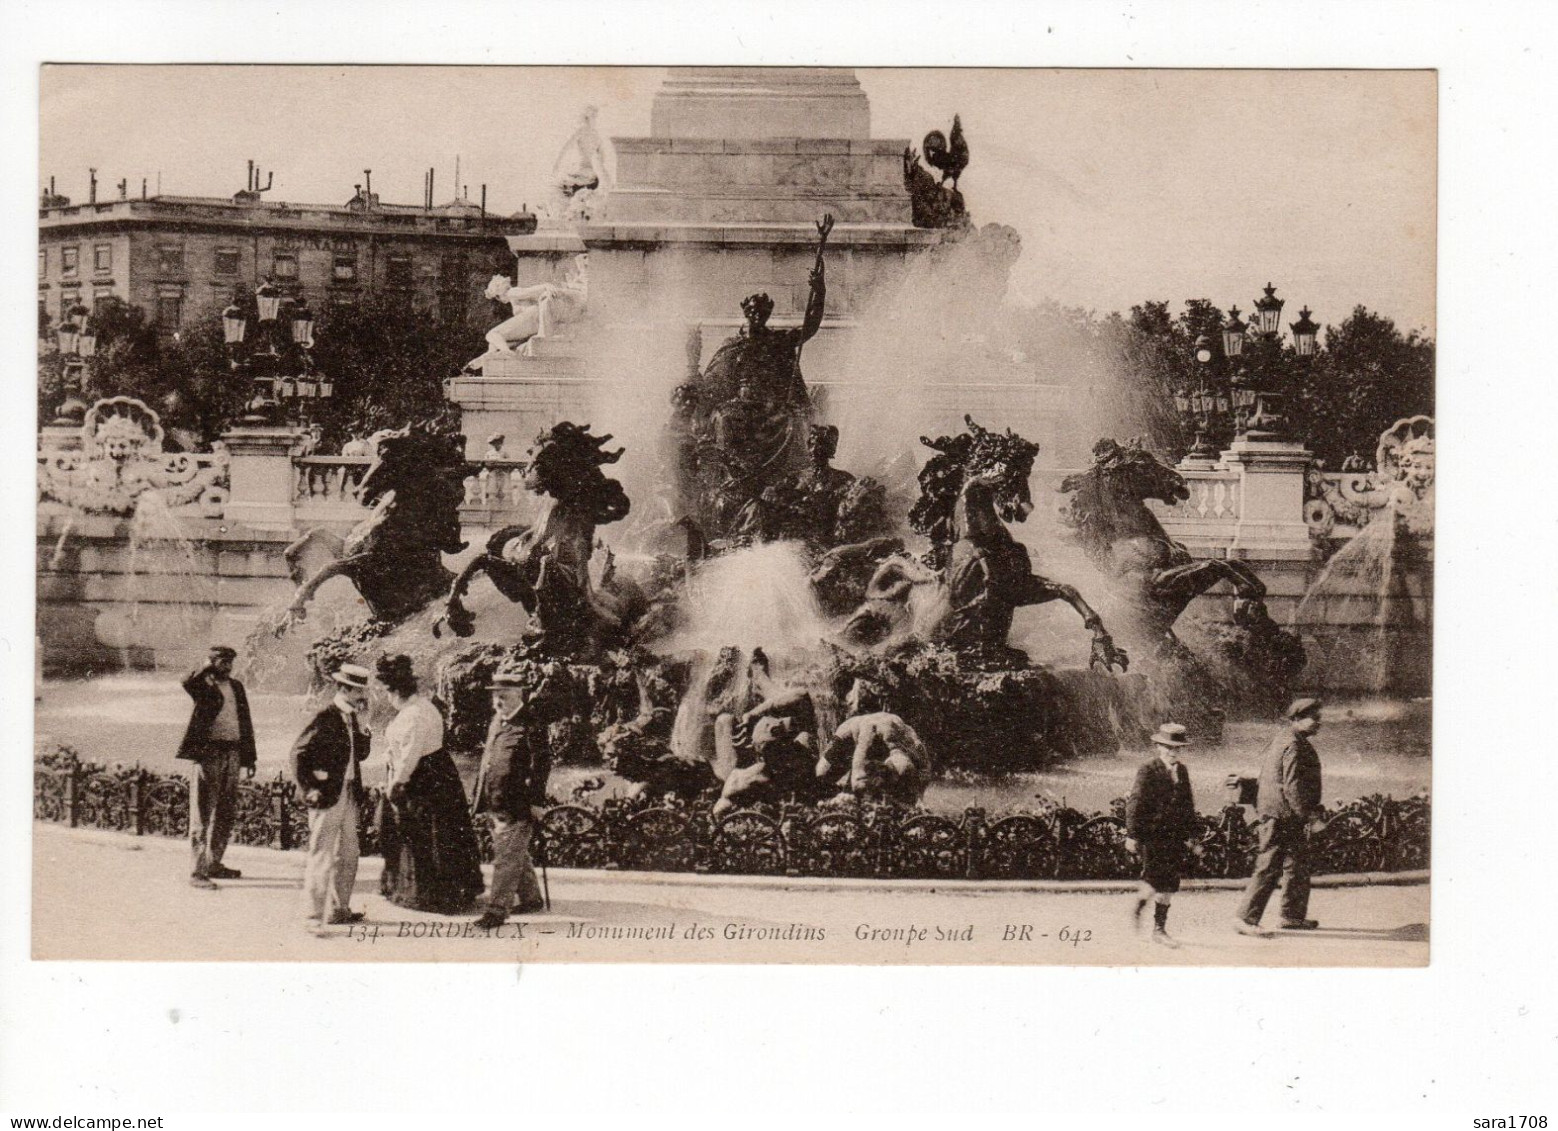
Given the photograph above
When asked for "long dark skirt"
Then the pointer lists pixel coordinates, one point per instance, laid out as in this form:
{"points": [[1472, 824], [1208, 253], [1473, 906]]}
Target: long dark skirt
{"points": [[430, 854]]}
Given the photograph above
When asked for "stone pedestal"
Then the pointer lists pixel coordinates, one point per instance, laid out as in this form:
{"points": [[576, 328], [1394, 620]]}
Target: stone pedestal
{"points": [[59, 438], [719, 203], [1271, 507], [261, 479], [760, 102]]}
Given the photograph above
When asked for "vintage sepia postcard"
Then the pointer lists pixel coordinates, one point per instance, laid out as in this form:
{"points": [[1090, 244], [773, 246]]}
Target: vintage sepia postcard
{"points": [[735, 514]]}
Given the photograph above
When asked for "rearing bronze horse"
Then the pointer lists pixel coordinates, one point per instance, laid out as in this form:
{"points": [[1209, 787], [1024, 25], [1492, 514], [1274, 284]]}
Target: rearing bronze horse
{"points": [[545, 566], [1123, 538]]}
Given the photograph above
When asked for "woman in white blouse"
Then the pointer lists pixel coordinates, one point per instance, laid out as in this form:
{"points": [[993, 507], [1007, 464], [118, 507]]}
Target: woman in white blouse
{"points": [[430, 853]]}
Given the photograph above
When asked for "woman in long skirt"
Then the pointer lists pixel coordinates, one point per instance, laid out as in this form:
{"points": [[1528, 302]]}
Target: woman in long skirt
{"points": [[430, 854]]}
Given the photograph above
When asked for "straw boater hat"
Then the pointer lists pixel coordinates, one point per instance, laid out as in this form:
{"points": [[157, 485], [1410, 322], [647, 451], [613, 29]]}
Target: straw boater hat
{"points": [[1299, 708], [352, 675], [1171, 734]]}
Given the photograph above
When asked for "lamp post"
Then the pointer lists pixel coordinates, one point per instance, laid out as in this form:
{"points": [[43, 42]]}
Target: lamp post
{"points": [[268, 346], [1256, 404], [77, 345], [1202, 405]]}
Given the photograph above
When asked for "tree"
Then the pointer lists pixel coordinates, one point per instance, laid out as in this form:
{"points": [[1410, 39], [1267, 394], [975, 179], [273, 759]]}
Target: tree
{"points": [[186, 378], [387, 361], [1368, 376]]}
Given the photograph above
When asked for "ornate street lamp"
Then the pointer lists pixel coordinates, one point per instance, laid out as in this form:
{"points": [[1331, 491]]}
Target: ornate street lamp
{"points": [[1201, 403], [267, 297], [1268, 312], [1257, 405], [76, 343], [302, 326], [68, 338], [234, 326], [1233, 333], [1305, 333], [284, 328]]}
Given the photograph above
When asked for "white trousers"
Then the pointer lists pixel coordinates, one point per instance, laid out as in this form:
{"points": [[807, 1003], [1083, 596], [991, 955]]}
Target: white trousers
{"points": [[332, 857]]}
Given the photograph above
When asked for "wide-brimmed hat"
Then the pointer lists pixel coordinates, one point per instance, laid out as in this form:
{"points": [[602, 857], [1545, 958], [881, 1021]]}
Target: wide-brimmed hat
{"points": [[352, 675], [509, 681], [1172, 734], [223, 650], [496, 438], [1301, 708]]}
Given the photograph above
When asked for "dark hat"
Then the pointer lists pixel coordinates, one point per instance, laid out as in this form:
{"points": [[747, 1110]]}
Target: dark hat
{"points": [[1172, 734], [1299, 708], [352, 675], [224, 650]]}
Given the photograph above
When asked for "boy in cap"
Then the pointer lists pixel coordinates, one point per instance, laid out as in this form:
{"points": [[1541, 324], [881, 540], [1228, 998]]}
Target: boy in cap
{"points": [[220, 741], [327, 767], [1161, 825], [511, 788], [1289, 809]]}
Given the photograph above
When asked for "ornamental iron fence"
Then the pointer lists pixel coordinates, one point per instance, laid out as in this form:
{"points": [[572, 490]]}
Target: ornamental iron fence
{"points": [[1372, 834]]}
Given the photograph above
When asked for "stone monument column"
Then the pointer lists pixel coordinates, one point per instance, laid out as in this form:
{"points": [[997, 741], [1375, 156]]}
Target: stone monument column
{"points": [[1271, 508], [261, 478], [720, 201]]}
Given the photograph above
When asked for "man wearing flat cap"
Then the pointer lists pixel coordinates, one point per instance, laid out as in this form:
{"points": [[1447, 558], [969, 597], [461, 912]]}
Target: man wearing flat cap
{"points": [[220, 741], [1288, 808], [327, 768], [1161, 826], [511, 787]]}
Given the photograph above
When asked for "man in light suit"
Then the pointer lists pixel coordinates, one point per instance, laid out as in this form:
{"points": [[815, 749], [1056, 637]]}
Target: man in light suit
{"points": [[1161, 825], [220, 741], [326, 765], [1289, 809]]}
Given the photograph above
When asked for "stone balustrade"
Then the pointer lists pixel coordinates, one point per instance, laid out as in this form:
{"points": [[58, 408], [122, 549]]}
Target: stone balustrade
{"points": [[1207, 520], [326, 490]]}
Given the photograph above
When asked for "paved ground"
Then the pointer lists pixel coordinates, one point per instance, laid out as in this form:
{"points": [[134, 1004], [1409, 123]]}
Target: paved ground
{"points": [[99, 895]]}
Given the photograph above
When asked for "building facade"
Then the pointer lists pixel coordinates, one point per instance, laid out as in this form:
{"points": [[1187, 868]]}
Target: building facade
{"points": [[182, 258]]}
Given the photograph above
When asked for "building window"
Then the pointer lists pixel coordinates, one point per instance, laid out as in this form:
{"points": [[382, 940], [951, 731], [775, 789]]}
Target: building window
{"points": [[68, 299], [103, 258], [170, 259], [284, 265], [227, 261], [345, 268], [43, 263], [398, 271], [68, 260], [170, 311], [100, 297]]}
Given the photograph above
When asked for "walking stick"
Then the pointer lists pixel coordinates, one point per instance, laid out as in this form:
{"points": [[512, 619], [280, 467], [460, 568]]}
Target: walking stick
{"points": [[541, 856]]}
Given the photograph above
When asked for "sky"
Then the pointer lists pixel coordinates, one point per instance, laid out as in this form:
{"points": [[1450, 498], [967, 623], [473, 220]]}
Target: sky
{"points": [[1126, 185]]}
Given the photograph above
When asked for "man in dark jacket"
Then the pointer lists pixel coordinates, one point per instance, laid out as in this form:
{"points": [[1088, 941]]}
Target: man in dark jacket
{"points": [[511, 787], [1161, 825], [220, 741], [1289, 810], [327, 768]]}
